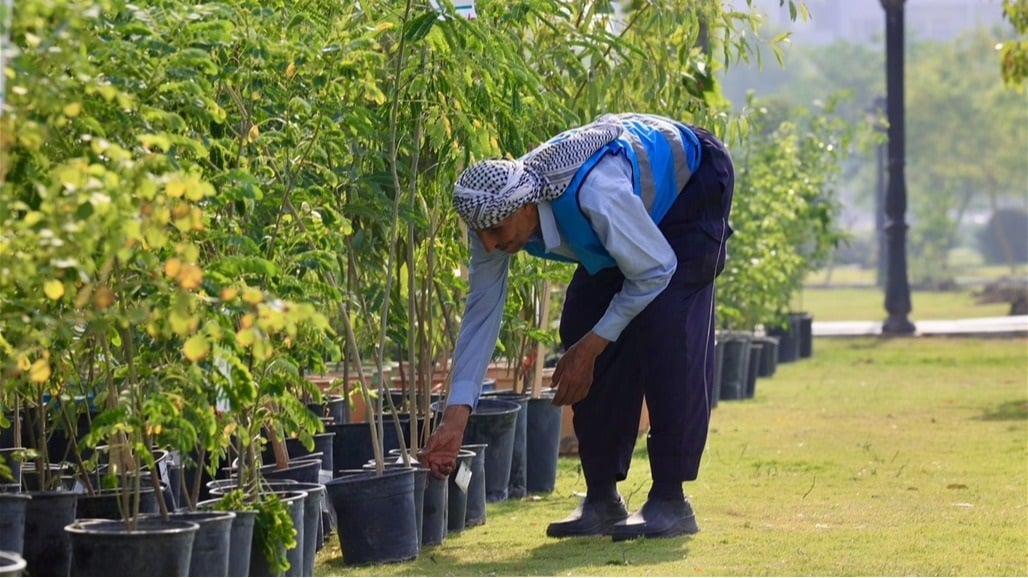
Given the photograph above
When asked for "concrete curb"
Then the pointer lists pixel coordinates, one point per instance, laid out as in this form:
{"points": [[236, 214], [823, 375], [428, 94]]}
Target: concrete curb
{"points": [[1013, 325]]}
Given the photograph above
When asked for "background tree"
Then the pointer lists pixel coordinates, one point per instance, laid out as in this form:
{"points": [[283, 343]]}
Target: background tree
{"points": [[1014, 52], [966, 133]]}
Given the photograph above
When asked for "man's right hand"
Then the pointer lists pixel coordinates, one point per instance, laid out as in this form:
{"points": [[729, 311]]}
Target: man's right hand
{"points": [[441, 449]]}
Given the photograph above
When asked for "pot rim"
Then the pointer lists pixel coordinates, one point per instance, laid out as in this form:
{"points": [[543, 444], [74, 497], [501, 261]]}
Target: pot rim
{"points": [[118, 528]]}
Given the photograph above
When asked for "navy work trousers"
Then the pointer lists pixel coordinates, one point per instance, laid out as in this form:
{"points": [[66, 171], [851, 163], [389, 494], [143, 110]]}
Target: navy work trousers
{"points": [[666, 354]]}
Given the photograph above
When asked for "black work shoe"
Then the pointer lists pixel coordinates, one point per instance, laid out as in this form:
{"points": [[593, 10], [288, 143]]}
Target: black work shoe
{"points": [[657, 519], [590, 518]]}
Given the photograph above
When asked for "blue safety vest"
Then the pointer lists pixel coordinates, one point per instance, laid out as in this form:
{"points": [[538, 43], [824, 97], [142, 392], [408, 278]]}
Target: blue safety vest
{"points": [[664, 154]]}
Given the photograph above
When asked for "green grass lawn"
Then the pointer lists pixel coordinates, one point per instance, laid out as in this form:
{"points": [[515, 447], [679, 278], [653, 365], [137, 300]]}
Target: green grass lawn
{"points": [[849, 294], [868, 304], [879, 457], [967, 272]]}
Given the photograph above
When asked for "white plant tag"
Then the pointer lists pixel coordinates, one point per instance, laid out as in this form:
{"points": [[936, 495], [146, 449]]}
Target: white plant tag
{"points": [[463, 477], [465, 8]]}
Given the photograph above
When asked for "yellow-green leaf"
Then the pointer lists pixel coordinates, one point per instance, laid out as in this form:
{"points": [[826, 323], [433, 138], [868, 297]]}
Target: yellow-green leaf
{"points": [[196, 348], [180, 323], [246, 337], [176, 187], [40, 371], [198, 190], [54, 289], [72, 109], [252, 295], [262, 350], [155, 237], [151, 141]]}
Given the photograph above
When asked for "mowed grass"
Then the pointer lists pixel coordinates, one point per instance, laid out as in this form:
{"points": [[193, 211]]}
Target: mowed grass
{"points": [[868, 304], [880, 457], [965, 270], [849, 294]]}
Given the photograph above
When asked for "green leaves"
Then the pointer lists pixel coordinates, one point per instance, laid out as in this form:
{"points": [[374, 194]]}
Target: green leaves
{"points": [[1013, 54], [274, 532], [196, 193], [785, 213], [419, 27]]}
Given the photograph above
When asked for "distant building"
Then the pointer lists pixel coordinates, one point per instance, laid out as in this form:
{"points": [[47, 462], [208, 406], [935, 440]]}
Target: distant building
{"points": [[860, 21]]}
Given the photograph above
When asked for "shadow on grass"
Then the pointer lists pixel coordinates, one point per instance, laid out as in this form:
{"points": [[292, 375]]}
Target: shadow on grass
{"points": [[1016, 410], [574, 556]]}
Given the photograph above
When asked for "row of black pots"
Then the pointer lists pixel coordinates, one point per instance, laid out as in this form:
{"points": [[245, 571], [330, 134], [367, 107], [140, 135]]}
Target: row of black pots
{"points": [[46, 555], [382, 519], [503, 475], [490, 438], [737, 363], [506, 430], [307, 519], [432, 521], [185, 544], [369, 529], [45, 529], [795, 338], [742, 357]]}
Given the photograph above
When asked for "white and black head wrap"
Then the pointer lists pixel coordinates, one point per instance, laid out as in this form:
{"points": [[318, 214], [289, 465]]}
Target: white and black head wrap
{"points": [[489, 191]]}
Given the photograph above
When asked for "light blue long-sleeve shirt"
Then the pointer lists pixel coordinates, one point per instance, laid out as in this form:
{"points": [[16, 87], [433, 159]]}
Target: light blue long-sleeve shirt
{"points": [[627, 232]]}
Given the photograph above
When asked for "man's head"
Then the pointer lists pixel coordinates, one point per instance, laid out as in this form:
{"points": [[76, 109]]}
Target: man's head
{"points": [[489, 191], [498, 201]]}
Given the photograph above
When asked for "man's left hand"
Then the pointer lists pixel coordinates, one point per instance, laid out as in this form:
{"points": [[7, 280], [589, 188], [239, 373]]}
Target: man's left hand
{"points": [[441, 449], [573, 375]]}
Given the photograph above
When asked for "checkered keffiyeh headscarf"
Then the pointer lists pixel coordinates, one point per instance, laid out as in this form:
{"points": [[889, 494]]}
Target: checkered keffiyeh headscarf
{"points": [[489, 191]]}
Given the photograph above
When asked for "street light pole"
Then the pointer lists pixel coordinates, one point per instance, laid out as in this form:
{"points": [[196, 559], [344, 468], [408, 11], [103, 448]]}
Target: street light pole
{"points": [[897, 289]]}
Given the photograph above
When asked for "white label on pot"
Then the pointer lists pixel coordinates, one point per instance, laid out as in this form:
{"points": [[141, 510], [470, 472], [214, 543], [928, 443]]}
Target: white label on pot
{"points": [[463, 477]]}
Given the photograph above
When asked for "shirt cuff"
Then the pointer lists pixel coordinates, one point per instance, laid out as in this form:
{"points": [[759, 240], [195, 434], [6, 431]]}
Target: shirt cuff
{"points": [[609, 327], [464, 393]]}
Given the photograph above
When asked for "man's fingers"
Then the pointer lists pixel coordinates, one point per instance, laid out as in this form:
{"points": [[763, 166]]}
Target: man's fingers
{"points": [[438, 463], [441, 469], [565, 395], [558, 372], [558, 398]]}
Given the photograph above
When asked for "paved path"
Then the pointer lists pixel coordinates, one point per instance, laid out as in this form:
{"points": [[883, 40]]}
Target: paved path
{"points": [[1012, 325]]}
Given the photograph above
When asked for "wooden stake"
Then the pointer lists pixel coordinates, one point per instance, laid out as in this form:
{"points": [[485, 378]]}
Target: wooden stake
{"points": [[540, 348]]}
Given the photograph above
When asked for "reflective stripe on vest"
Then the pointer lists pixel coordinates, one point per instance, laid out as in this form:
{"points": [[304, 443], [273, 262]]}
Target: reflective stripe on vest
{"points": [[659, 154], [663, 154]]}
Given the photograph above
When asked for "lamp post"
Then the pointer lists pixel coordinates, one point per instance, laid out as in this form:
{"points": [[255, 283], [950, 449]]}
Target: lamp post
{"points": [[897, 289]]}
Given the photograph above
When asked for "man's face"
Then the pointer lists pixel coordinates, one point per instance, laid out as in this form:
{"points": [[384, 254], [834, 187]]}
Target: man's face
{"points": [[511, 234]]}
